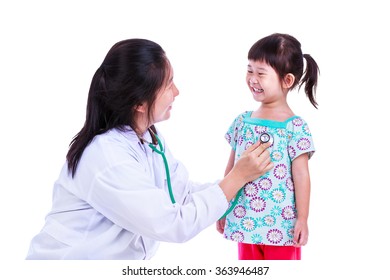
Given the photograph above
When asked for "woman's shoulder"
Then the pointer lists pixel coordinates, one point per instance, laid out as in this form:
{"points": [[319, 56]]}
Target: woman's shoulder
{"points": [[117, 135], [114, 142]]}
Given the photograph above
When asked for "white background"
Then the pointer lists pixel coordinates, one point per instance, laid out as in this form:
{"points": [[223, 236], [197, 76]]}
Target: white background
{"points": [[50, 50]]}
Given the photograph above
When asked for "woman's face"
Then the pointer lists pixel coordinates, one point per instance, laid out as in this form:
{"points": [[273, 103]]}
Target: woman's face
{"points": [[165, 98]]}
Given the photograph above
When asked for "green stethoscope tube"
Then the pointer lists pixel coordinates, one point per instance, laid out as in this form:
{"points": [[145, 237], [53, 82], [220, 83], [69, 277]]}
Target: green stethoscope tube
{"points": [[161, 152], [234, 203]]}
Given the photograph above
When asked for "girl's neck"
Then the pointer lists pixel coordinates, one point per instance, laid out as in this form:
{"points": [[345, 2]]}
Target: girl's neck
{"points": [[279, 112]]}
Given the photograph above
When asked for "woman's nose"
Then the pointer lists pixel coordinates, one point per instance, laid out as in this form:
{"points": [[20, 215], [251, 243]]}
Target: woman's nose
{"points": [[175, 90]]}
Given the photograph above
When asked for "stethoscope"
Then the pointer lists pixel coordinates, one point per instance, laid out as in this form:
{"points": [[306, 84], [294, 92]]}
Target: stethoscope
{"points": [[264, 138], [160, 151]]}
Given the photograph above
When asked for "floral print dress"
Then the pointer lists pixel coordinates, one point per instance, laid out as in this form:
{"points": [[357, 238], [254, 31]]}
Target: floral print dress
{"points": [[265, 212]]}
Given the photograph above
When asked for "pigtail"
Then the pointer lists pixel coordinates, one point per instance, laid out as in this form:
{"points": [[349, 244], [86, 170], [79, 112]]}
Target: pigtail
{"points": [[310, 79]]}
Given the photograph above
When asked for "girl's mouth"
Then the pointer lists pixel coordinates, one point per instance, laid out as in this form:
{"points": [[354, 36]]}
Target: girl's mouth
{"points": [[257, 90]]}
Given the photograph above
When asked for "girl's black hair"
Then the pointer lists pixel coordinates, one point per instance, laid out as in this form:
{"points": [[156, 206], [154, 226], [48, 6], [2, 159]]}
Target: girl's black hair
{"points": [[283, 53], [131, 74]]}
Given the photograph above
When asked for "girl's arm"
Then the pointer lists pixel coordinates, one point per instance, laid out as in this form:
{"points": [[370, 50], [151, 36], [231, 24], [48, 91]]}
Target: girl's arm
{"points": [[301, 178], [221, 223], [230, 163]]}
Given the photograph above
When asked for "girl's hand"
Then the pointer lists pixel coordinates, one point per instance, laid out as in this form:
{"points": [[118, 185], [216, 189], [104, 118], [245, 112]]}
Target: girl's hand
{"points": [[221, 225], [301, 233]]}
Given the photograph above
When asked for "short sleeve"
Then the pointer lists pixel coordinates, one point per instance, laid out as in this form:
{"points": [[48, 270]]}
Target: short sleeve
{"points": [[232, 133], [300, 139]]}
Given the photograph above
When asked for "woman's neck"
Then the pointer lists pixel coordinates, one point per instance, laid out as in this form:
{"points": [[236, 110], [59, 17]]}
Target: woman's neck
{"points": [[142, 124]]}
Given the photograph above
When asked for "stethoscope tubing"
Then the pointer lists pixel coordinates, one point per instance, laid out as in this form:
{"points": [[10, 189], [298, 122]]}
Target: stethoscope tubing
{"points": [[234, 203], [161, 152]]}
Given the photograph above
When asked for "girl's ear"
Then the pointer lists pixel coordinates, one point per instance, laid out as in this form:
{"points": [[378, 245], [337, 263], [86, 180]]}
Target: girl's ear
{"points": [[288, 81]]}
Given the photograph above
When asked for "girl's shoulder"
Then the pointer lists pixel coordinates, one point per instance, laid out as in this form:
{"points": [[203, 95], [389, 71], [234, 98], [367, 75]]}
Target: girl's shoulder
{"points": [[295, 121], [243, 115], [296, 124]]}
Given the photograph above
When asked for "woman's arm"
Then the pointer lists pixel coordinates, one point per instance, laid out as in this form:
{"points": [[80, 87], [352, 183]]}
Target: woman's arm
{"points": [[301, 178]]}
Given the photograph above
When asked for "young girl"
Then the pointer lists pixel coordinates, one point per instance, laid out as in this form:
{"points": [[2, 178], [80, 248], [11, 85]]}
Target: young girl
{"points": [[268, 217]]}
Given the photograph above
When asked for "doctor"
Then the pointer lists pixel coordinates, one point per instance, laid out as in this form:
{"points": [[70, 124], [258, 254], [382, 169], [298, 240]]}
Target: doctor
{"points": [[120, 191]]}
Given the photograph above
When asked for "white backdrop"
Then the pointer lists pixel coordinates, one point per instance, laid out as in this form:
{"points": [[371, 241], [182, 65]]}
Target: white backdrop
{"points": [[51, 49]]}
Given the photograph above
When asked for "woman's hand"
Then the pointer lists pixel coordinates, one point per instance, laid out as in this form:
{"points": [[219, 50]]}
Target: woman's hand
{"points": [[253, 163]]}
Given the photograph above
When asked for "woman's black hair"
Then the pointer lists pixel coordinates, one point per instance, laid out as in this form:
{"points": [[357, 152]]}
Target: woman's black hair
{"points": [[131, 74]]}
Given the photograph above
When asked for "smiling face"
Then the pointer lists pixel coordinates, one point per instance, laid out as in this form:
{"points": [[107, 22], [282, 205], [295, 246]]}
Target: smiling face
{"points": [[264, 82], [165, 98], [147, 115]]}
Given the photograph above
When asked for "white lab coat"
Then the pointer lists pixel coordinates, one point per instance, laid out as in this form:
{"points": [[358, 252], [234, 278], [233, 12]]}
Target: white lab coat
{"points": [[117, 206]]}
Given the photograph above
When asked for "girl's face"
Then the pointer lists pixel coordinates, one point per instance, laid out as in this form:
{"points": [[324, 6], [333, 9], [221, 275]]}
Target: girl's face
{"points": [[165, 98], [264, 82]]}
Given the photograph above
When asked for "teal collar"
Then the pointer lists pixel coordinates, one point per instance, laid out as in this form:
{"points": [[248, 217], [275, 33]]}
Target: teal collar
{"points": [[268, 123]]}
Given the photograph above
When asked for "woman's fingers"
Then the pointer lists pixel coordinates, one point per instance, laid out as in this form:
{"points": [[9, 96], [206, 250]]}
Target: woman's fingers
{"points": [[253, 147], [259, 150], [258, 161], [262, 156]]}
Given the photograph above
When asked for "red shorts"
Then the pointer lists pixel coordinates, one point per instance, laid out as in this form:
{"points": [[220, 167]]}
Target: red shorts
{"points": [[268, 252]]}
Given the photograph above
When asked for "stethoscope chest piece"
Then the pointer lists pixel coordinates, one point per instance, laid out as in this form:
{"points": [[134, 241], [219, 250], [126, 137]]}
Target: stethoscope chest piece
{"points": [[266, 138]]}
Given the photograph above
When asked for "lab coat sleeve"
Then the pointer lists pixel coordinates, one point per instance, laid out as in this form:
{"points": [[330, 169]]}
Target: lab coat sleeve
{"points": [[126, 195]]}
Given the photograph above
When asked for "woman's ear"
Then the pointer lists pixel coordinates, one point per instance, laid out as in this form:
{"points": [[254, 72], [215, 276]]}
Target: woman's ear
{"points": [[141, 108], [288, 81]]}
